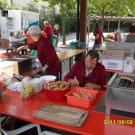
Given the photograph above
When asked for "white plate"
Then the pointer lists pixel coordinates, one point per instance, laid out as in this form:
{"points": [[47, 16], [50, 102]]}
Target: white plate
{"points": [[48, 78]]}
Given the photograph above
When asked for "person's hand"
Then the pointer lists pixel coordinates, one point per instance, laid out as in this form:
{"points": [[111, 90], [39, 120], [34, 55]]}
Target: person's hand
{"points": [[92, 86], [73, 82], [44, 68], [21, 48], [89, 85]]}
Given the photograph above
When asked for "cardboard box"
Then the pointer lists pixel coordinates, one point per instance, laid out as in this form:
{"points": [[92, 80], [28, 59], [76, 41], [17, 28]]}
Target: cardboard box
{"points": [[113, 63], [113, 53], [9, 67], [128, 48], [113, 59]]}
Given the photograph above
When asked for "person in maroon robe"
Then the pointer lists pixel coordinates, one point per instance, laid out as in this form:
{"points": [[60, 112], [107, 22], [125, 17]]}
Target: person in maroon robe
{"points": [[48, 30], [88, 72], [98, 36], [46, 52]]}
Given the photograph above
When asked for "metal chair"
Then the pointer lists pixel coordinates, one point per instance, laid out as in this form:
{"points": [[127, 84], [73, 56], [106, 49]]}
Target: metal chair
{"points": [[21, 129]]}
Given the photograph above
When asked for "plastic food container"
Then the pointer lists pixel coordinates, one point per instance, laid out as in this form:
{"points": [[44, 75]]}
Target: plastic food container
{"points": [[80, 101], [48, 78], [56, 94]]}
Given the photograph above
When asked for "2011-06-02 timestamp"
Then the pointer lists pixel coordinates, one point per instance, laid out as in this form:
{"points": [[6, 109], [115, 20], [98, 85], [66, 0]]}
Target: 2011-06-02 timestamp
{"points": [[120, 122]]}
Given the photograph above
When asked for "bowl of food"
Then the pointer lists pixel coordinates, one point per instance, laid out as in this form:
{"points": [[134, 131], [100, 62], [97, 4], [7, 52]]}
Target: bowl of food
{"points": [[56, 90]]}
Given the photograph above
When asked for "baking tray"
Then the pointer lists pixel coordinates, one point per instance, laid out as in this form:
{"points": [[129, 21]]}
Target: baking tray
{"points": [[62, 114]]}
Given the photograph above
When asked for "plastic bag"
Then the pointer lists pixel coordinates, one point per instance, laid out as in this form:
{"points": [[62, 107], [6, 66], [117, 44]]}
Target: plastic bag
{"points": [[73, 45], [15, 86], [129, 65]]}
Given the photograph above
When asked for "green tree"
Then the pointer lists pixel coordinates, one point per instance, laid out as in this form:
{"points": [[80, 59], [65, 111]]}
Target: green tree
{"points": [[3, 4], [108, 7], [65, 5], [130, 8]]}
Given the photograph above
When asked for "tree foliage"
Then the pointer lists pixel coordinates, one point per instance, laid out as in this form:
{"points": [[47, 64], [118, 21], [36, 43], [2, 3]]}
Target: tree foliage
{"points": [[98, 7], [65, 5], [111, 7], [131, 7], [3, 4]]}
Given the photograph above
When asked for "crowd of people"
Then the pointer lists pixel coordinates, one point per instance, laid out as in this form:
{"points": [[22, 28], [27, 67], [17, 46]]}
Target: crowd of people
{"points": [[15, 39], [49, 32], [118, 37], [84, 70], [87, 72]]}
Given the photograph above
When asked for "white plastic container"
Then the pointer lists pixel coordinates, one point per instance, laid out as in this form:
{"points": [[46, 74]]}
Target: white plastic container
{"points": [[48, 78], [38, 84]]}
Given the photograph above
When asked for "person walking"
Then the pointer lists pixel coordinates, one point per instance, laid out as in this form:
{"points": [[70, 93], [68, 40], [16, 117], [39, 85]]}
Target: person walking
{"points": [[98, 36]]}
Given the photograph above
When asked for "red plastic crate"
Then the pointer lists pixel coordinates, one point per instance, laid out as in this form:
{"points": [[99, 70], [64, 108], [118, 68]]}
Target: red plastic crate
{"points": [[81, 102]]}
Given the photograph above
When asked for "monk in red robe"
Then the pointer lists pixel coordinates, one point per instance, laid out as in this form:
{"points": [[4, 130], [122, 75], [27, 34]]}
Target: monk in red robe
{"points": [[46, 52], [88, 72], [48, 31]]}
